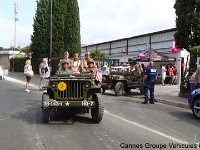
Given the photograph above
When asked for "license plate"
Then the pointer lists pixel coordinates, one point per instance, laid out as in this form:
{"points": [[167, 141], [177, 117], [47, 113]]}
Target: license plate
{"points": [[69, 104]]}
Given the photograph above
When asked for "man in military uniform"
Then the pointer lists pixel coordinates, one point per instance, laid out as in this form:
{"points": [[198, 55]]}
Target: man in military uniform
{"points": [[91, 69], [64, 69], [84, 64], [150, 74]]}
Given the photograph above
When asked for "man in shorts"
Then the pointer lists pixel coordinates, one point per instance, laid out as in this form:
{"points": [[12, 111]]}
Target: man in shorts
{"points": [[164, 70]]}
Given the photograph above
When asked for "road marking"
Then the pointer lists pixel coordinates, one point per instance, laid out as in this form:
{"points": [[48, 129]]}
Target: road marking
{"points": [[118, 117], [146, 128]]}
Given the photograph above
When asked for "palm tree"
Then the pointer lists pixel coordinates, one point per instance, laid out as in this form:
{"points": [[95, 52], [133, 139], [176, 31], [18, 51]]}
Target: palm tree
{"points": [[97, 54]]}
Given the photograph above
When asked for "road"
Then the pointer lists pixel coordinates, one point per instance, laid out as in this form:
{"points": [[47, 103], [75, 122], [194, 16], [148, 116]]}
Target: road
{"points": [[126, 121]]}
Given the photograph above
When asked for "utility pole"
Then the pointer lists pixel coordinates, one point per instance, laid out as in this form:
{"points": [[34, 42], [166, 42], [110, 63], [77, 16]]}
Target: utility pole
{"points": [[50, 58], [15, 29]]}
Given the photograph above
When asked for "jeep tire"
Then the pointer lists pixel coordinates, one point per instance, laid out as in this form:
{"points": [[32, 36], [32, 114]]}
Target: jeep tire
{"points": [[119, 89], [45, 110], [97, 112]]}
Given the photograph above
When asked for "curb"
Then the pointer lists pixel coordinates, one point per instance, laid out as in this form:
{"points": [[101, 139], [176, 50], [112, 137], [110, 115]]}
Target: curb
{"points": [[172, 103]]}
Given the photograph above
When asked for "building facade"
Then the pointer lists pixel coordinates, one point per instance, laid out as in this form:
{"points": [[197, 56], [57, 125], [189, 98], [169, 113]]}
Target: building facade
{"points": [[122, 50]]}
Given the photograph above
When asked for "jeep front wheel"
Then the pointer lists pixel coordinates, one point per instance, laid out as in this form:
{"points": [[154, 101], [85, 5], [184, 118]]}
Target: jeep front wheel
{"points": [[97, 112], [45, 109], [196, 108], [119, 89]]}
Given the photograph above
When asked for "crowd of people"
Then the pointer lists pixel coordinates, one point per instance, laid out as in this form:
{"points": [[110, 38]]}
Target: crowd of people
{"points": [[172, 74], [65, 66]]}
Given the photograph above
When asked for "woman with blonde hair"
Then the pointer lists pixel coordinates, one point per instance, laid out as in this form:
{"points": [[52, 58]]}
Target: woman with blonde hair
{"points": [[28, 72]]}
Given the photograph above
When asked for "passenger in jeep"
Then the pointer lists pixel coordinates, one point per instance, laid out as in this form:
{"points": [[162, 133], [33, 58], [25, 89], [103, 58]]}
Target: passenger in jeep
{"points": [[64, 69], [91, 69]]}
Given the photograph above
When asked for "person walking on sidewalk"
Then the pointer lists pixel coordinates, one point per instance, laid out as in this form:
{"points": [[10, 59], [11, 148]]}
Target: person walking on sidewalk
{"points": [[150, 74], [44, 72], [193, 82], [164, 70], [171, 74], [197, 77], [28, 72]]}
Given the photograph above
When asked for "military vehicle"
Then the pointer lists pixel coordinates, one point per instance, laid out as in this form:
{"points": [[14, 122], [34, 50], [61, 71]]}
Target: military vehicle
{"points": [[76, 92], [121, 80]]}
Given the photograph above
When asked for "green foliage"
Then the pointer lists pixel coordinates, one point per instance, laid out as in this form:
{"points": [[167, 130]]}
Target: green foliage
{"points": [[25, 49], [72, 28], [65, 29], [187, 23], [19, 63], [41, 30], [97, 54]]}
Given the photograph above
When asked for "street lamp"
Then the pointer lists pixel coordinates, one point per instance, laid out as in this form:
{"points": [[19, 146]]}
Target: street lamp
{"points": [[50, 58]]}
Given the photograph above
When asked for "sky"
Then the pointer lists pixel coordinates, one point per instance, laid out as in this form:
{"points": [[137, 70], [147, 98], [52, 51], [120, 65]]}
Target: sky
{"points": [[101, 20]]}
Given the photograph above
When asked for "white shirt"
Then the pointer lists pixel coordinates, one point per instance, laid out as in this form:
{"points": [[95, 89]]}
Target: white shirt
{"points": [[76, 65], [164, 71]]}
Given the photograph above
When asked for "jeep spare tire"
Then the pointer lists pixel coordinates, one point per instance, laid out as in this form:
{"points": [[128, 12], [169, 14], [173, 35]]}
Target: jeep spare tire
{"points": [[119, 89], [45, 110]]}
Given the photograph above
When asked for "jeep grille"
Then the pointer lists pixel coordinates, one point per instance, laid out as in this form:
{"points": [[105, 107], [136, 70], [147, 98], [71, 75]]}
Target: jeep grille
{"points": [[74, 91]]}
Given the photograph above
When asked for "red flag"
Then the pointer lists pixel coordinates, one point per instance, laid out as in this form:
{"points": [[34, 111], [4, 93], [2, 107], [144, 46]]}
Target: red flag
{"points": [[141, 55], [98, 76], [174, 48]]}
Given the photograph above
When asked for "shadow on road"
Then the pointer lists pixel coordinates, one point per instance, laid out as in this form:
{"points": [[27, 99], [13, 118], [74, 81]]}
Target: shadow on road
{"points": [[32, 114]]}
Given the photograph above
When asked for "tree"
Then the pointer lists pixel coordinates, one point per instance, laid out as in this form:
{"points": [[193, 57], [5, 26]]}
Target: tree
{"points": [[65, 29], [188, 33], [97, 54], [187, 23], [72, 28], [25, 49], [40, 38]]}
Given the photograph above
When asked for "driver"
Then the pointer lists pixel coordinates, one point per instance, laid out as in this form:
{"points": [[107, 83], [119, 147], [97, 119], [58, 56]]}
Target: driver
{"points": [[64, 69]]}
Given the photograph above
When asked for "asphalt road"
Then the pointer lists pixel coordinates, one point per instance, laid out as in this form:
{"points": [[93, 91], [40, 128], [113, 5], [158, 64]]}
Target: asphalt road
{"points": [[126, 121]]}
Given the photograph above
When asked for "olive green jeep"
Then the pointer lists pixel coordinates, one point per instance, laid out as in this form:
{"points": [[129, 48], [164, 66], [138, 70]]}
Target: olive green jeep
{"points": [[122, 82], [75, 91]]}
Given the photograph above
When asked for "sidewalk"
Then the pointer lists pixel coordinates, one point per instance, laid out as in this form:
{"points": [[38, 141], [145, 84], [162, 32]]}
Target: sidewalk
{"points": [[169, 95], [164, 94]]}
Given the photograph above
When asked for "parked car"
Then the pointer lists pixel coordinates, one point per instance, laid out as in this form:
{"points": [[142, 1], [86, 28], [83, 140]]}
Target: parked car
{"points": [[194, 103], [2, 73]]}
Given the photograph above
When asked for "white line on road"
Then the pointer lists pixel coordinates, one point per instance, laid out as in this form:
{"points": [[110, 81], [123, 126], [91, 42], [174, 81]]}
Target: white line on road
{"points": [[120, 118], [146, 128]]}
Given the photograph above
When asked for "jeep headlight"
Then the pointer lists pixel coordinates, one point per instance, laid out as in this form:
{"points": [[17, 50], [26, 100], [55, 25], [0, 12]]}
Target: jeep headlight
{"points": [[53, 84], [87, 84]]}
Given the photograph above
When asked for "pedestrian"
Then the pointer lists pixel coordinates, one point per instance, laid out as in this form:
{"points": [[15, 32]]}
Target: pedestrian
{"points": [[197, 77], [150, 75], [193, 82], [175, 73], [44, 72], [65, 59], [164, 70], [76, 63], [171, 73], [28, 72], [105, 70]]}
